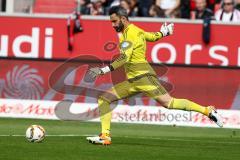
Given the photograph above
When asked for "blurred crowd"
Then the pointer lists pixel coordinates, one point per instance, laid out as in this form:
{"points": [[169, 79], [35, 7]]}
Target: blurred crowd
{"points": [[222, 10]]}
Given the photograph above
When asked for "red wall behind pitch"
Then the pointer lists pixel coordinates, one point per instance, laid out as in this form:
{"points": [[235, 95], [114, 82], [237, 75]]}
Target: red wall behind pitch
{"points": [[97, 33], [18, 79], [204, 85]]}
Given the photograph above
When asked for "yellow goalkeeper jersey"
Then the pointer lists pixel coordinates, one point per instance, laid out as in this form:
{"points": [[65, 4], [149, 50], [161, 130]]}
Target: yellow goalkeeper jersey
{"points": [[133, 49]]}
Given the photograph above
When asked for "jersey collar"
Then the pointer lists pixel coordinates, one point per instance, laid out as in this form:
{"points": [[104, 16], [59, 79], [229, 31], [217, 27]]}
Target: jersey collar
{"points": [[126, 29]]}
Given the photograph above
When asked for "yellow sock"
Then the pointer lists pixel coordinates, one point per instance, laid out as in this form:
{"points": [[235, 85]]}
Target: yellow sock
{"points": [[184, 104], [105, 115]]}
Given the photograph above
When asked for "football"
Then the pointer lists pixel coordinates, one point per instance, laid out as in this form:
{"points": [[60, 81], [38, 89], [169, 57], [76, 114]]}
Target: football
{"points": [[35, 133]]}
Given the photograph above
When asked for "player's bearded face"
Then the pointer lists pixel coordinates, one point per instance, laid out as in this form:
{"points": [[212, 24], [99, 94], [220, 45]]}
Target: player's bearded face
{"points": [[119, 27], [117, 22]]}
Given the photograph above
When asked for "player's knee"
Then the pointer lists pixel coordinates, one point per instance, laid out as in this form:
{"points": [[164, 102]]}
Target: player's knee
{"points": [[103, 105], [103, 101], [169, 103], [165, 101], [165, 104], [107, 98]]}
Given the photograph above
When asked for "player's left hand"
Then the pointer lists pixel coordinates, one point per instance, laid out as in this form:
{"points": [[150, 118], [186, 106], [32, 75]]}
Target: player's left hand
{"points": [[167, 29], [96, 71]]}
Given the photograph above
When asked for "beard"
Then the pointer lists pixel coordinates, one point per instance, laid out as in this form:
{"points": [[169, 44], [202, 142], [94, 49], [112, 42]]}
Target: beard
{"points": [[120, 27]]}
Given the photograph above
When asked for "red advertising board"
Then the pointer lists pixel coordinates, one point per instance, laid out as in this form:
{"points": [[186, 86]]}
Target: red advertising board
{"points": [[33, 37], [40, 109], [28, 79]]}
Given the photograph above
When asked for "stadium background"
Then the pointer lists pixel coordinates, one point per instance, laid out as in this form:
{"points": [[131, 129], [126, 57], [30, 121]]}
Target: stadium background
{"points": [[32, 50], [34, 42]]}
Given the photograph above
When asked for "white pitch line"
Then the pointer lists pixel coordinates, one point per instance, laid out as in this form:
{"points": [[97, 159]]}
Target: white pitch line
{"points": [[180, 139], [141, 137], [56, 135], [15, 135]]}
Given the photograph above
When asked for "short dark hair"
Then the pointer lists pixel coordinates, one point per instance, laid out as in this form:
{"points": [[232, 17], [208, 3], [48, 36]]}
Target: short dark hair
{"points": [[119, 11]]}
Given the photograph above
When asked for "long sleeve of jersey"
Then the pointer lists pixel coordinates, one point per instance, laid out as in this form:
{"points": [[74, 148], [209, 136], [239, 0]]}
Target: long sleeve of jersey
{"points": [[152, 36]]}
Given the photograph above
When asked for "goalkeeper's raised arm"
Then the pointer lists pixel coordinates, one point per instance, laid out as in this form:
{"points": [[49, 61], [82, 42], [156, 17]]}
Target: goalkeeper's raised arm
{"points": [[165, 30]]}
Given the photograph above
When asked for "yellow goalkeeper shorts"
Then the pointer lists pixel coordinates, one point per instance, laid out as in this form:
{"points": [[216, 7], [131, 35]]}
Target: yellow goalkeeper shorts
{"points": [[147, 84]]}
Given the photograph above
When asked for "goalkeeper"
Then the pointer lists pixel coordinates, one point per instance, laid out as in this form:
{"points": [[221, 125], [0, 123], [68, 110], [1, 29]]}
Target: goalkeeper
{"points": [[141, 78]]}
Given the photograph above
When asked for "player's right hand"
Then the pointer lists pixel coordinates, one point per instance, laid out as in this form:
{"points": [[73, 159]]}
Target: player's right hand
{"points": [[96, 71], [167, 29]]}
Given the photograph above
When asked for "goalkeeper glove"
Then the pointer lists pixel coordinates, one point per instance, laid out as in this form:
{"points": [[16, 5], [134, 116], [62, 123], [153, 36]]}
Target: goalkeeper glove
{"points": [[167, 30], [96, 71]]}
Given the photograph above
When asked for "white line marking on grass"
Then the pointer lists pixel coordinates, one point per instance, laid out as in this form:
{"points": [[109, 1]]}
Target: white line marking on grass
{"points": [[141, 137], [52, 135], [181, 139], [15, 135]]}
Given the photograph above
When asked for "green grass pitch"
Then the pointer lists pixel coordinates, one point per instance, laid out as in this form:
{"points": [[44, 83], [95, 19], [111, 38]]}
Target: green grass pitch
{"points": [[66, 140]]}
